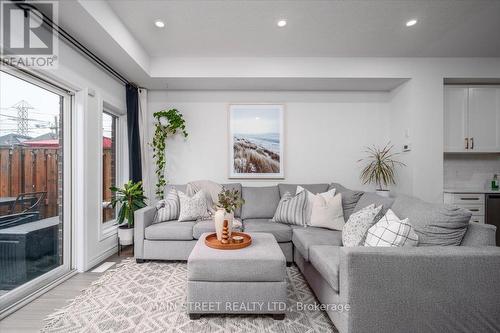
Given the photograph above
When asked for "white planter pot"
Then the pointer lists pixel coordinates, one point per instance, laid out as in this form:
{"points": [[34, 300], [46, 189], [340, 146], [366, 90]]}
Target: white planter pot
{"points": [[219, 217], [126, 236], [383, 193]]}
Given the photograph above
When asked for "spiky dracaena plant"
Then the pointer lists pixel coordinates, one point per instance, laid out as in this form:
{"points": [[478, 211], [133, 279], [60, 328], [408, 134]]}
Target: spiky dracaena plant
{"points": [[130, 198], [168, 123], [380, 166]]}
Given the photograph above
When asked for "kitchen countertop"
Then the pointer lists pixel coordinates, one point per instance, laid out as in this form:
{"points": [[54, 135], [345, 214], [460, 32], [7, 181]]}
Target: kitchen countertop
{"points": [[470, 190]]}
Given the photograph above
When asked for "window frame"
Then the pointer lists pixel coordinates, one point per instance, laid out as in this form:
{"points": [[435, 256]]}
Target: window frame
{"points": [[24, 293], [110, 228]]}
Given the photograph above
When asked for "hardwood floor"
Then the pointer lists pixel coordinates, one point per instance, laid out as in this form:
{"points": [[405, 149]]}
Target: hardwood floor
{"points": [[30, 317]]}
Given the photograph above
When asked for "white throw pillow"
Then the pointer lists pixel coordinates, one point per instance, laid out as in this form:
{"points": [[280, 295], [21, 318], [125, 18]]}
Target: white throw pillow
{"points": [[310, 199], [193, 208], [168, 209], [327, 212], [391, 231], [354, 231]]}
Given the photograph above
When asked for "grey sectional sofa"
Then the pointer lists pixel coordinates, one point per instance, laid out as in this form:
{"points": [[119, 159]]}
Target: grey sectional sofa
{"points": [[430, 288]]}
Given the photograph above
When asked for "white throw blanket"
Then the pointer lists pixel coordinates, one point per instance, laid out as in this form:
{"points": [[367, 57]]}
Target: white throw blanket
{"points": [[210, 188]]}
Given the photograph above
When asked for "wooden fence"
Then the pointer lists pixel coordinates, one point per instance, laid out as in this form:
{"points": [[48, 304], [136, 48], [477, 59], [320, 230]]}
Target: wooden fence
{"points": [[26, 169]]}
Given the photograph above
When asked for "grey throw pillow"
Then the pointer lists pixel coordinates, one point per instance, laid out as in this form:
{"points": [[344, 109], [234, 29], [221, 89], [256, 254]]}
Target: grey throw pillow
{"points": [[193, 208], [435, 224], [369, 198], [292, 209], [168, 209], [349, 198]]}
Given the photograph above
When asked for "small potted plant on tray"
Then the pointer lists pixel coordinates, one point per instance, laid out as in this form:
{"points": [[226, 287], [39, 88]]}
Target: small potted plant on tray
{"points": [[228, 202], [130, 198]]}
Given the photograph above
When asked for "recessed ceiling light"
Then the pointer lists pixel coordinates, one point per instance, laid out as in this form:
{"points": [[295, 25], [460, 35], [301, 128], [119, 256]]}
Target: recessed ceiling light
{"points": [[281, 23], [411, 22], [160, 24]]}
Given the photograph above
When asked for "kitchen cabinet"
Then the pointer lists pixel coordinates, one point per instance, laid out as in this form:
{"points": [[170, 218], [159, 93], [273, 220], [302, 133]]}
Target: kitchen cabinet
{"points": [[473, 202], [456, 101], [471, 119]]}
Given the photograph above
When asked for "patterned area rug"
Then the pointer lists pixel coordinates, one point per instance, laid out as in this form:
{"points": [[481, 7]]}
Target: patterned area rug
{"points": [[149, 297]]}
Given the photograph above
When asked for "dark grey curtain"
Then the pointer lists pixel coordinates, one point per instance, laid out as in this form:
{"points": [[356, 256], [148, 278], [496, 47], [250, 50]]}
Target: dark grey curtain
{"points": [[134, 142]]}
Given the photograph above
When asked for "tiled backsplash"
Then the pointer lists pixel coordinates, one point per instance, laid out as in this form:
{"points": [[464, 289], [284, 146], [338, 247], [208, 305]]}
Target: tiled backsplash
{"points": [[470, 170]]}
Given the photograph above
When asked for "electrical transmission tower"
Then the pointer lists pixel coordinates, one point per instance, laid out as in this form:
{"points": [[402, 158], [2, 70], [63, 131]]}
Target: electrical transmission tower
{"points": [[22, 116]]}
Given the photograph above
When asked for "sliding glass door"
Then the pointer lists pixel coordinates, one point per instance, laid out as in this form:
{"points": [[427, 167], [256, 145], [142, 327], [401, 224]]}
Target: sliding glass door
{"points": [[35, 178]]}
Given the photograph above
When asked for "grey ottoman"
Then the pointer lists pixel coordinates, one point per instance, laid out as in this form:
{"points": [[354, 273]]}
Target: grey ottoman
{"points": [[249, 280]]}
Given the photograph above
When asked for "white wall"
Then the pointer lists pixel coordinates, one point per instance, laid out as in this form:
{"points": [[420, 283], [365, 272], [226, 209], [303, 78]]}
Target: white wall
{"points": [[325, 133], [82, 76], [420, 102]]}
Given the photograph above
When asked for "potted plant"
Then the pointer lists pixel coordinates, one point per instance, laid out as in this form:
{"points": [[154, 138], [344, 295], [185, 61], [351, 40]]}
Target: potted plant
{"points": [[130, 198], [380, 168], [228, 202], [167, 124]]}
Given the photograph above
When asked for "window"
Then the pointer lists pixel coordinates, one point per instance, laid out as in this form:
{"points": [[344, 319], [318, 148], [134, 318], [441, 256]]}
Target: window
{"points": [[109, 163], [34, 184]]}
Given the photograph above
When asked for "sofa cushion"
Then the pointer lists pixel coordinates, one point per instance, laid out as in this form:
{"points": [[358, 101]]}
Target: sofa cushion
{"points": [[369, 198], [292, 188], [209, 226], [435, 224], [172, 230], [349, 198], [304, 238], [260, 202], [326, 260], [232, 187], [282, 232]]}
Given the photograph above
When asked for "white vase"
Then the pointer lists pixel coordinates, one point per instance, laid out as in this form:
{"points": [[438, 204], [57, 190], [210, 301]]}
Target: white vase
{"points": [[383, 193], [126, 235], [219, 221], [219, 217]]}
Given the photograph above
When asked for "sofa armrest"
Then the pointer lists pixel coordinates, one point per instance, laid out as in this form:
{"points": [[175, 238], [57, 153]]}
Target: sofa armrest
{"points": [[143, 218], [422, 289], [479, 235]]}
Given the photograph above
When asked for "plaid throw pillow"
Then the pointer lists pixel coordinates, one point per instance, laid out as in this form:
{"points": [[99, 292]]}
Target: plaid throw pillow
{"points": [[168, 209], [292, 209], [391, 231]]}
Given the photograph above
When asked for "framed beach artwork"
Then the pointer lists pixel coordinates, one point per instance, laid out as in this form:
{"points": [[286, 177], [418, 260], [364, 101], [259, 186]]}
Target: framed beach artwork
{"points": [[256, 140]]}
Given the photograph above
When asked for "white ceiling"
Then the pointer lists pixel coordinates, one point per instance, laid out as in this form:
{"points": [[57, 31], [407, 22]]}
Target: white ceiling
{"points": [[369, 28]]}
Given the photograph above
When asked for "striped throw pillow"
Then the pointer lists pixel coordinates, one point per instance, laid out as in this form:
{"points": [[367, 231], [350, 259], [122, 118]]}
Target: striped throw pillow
{"points": [[292, 209], [168, 209]]}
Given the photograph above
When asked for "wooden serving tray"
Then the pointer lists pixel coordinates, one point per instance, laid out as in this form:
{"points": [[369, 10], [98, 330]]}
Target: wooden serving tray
{"points": [[211, 241]]}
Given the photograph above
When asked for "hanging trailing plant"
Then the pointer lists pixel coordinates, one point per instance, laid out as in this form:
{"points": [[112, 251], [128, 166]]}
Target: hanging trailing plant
{"points": [[168, 123]]}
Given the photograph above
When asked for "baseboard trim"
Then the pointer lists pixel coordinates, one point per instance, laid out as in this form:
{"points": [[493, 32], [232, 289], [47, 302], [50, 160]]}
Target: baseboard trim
{"points": [[103, 256], [30, 298]]}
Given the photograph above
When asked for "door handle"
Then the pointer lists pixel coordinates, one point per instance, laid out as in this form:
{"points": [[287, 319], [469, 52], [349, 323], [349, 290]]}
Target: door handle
{"points": [[466, 143], [471, 143]]}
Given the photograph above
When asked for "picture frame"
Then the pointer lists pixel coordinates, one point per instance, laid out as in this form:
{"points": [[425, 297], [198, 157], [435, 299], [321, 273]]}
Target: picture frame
{"points": [[256, 136]]}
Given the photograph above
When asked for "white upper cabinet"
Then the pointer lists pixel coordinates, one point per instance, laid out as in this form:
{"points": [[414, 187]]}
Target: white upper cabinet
{"points": [[471, 119], [484, 119], [455, 119]]}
